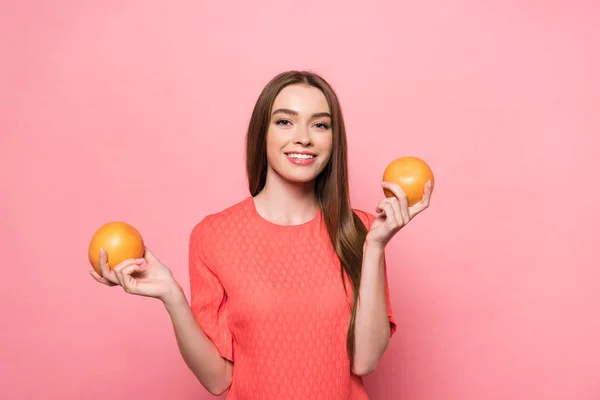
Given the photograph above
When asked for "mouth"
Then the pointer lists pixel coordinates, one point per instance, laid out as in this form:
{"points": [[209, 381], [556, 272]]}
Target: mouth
{"points": [[301, 158]]}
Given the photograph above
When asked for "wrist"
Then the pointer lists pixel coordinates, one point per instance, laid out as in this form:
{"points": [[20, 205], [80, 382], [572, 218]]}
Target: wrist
{"points": [[173, 295], [373, 246]]}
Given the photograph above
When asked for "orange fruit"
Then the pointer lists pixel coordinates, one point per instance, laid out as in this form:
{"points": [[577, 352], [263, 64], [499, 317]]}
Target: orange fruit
{"points": [[411, 174], [120, 240]]}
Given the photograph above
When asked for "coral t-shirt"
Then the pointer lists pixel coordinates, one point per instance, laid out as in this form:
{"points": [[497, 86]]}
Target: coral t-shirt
{"points": [[271, 298]]}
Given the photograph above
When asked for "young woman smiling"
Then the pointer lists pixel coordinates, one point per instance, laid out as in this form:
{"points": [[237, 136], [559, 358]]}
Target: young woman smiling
{"points": [[289, 292]]}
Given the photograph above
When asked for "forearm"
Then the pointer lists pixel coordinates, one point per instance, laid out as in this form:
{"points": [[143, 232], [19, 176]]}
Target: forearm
{"points": [[372, 329], [197, 350]]}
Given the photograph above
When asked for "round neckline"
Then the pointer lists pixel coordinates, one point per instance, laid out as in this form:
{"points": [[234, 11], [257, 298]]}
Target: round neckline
{"points": [[272, 224]]}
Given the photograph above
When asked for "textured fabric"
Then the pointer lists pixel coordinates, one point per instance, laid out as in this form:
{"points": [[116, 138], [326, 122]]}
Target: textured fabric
{"points": [[272, 300]]}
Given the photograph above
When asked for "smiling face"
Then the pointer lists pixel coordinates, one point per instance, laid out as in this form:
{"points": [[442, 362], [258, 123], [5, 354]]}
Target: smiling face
{"points": [[299, 137]]}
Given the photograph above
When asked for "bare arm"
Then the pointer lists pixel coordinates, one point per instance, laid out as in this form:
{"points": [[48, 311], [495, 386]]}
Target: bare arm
{"points": [[156, 280], [197, 350], [372, 330]]}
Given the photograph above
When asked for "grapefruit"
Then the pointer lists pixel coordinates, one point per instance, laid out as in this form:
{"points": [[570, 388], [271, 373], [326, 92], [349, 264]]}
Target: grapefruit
{"points": [[120, 240], [411, 174]]}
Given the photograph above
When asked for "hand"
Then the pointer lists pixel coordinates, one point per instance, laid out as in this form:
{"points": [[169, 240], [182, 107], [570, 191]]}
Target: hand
{"points": [[145, 276], [394, 213]]}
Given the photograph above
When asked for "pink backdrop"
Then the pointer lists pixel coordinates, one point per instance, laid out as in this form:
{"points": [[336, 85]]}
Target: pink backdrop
{"points": [[137, 110]]}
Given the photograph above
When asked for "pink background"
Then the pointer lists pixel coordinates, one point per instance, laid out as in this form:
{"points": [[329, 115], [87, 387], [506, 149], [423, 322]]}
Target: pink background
{"points": [[137, 110]]}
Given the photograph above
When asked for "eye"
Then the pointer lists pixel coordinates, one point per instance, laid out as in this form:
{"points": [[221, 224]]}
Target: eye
{"points": [[322, 125], [283, 122]]}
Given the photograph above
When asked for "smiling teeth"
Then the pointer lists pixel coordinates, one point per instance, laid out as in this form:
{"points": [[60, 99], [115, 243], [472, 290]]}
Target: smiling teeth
{"points": [[301, 156]]}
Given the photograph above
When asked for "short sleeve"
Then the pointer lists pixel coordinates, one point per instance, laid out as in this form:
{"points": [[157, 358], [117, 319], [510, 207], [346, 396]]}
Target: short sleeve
{"points": [[208, 297], [368, 219]]}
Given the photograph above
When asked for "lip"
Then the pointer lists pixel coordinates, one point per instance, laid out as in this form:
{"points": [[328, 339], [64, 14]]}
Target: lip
{"points": [[301, 161], [310, 153]]}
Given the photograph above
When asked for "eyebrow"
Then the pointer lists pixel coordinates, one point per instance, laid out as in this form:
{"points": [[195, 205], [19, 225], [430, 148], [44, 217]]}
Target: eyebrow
{"points": [[295, 113]]}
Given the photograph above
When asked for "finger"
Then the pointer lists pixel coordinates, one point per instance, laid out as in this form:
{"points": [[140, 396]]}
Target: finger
{"points": [[100, 279], [105, 268], [391, 220], [394, 219], [403, 205], [129, 283], [425, 201], [428, 192], [381, 205], [401, 196], [125, 264], [400, 210], [394, 188]]}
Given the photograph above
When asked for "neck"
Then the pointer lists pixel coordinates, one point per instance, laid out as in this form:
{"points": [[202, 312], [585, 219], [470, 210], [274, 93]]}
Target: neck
{"points": [[286, 203]]}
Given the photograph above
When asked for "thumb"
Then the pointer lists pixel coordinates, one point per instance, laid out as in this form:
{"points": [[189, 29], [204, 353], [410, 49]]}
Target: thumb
{"points": [[148, 255]]}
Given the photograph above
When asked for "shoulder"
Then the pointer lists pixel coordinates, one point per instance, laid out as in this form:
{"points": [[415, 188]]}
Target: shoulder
{"points": [[367, 218], [221, 222]]}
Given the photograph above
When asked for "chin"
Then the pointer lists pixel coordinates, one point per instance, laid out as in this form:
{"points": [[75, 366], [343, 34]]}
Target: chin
{"points": [[299, 177], [296, 174]]}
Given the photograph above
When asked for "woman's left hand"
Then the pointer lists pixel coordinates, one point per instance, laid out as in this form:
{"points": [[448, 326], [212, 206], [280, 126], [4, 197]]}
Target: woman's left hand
{"points": [[394, 213]]}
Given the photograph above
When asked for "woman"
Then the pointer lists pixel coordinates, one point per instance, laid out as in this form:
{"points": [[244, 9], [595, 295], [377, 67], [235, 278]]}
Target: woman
{"points": [[289, 295]]}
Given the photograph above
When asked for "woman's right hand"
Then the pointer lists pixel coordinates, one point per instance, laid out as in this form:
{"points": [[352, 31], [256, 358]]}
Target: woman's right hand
{"points": [[145, 276]]}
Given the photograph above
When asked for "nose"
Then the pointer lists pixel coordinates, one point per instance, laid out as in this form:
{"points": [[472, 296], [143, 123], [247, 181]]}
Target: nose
{"points": [[302, 137]]}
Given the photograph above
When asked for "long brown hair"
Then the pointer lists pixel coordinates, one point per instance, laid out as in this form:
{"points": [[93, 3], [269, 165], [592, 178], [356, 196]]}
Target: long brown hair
{"points": [[346, 230]]}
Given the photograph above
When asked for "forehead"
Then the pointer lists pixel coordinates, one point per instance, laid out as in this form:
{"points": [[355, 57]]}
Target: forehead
{"points": [[301, 98]]}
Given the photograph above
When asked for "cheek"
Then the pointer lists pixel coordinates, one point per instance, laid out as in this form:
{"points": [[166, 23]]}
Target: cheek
{"points": [[274, 143], [325, 144]]}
